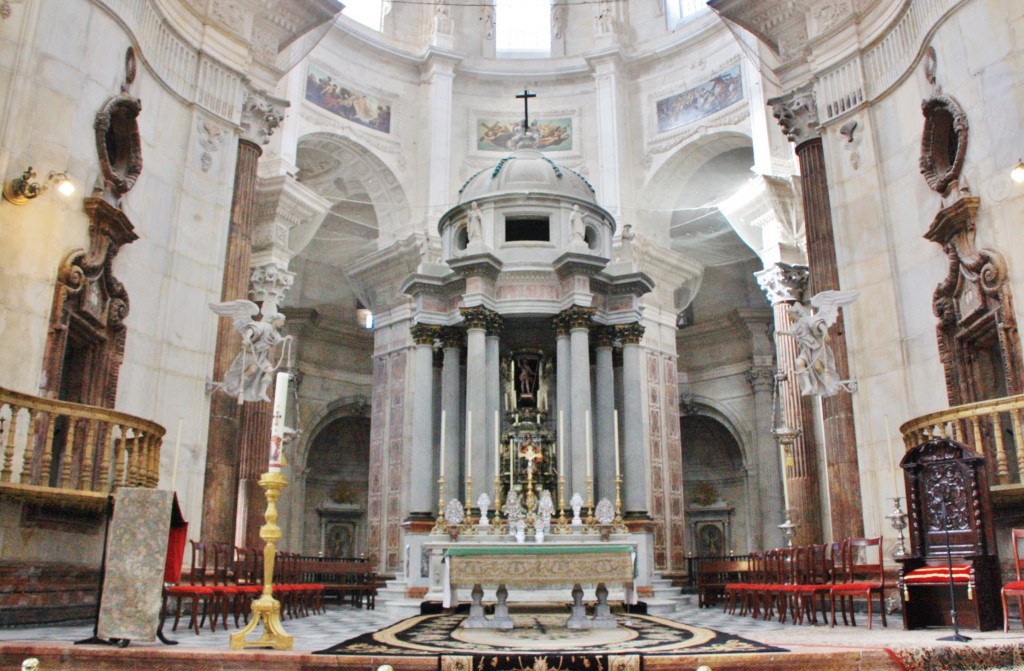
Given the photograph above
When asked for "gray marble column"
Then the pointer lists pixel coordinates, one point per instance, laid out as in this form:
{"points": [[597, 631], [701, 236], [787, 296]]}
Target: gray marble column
{"points": [[493, 403], [604, 419], [451, 403], [634, 457], [580, 398], [562, 386], [476, 399], [421, 456], [769, 469]]}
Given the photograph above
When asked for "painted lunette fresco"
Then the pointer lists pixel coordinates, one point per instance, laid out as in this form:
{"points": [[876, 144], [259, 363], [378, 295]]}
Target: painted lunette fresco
{"points": [[713, 95], [326, 92], [496, 135]]}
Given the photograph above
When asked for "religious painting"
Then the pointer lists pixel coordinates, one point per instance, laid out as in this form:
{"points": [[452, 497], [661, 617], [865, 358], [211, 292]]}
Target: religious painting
{"points": [[704, 100], [496, 135], [341, 99]]}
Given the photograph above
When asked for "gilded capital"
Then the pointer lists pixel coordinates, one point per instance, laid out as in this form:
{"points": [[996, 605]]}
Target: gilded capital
{"points": [[604, 336], [494, 324], [630, 334], [797, 114], [577, 317], [451, 336], [478, 317], [783, 283], [424, 334]]}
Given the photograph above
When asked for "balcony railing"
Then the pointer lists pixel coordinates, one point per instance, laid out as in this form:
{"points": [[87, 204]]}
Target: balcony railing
{"points": [[991, 428], [71, 454]]}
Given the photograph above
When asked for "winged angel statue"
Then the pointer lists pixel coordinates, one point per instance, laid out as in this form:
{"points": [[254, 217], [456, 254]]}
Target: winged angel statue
{"points": [[816, 364], [253, 369]]}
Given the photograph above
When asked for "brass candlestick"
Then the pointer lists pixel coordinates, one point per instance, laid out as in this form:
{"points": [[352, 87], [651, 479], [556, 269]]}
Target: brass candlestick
{"points": [[590, 499], [497, 503], [440, 526], [620, 526], [267, 609]]}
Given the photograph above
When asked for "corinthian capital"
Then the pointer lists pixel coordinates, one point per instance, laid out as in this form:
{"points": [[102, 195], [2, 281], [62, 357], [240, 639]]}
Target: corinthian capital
{"points": [[270, 282], [783, 283], [797, 113], [261, 114]]}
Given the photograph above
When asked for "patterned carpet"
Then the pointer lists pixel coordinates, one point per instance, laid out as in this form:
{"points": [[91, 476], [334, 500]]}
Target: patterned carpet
{"points": [[544, 635], [960, 657]]}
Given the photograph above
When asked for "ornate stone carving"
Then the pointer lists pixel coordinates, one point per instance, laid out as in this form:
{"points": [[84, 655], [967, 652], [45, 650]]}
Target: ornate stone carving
{"points": [[269, 283], [783, 283], [495, 324], [761, 378], [603, 336], [211, 137], [451, 336], [118, 145], [478, 317], [630, 334], [578, 317], [424, 334], [261, 114], [943, 142], [797, 114]]}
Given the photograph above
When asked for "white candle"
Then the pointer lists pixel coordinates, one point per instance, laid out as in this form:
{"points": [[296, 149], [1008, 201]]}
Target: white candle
{"points": [[277, 425], [177, 453], [511, 463], [469, 443], [590, 454], [561, 444], [497, 442], [443, 426], [616, 444]]}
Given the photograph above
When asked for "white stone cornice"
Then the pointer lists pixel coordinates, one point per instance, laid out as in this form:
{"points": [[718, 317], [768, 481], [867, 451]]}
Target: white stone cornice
{"points": [[377, 278]]}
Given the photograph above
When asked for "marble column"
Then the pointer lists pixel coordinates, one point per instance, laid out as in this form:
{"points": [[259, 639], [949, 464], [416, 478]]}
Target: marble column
{"points": [[766, 533], [604, 417], [580, 400], [452, 339], [562, 386], [421, 456], [634, 457], [797, 115], [259, 119], [476, 399], [493, 403], [784, 285]]}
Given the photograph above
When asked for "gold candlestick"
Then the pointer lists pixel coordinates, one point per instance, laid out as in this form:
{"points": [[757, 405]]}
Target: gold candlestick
{"points": [[590, 498], [267, 609], [620, 526], [497, 500], [440, 524], [469, 500]]}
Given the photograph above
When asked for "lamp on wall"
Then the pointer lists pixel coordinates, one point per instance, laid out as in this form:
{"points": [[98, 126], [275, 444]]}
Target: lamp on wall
{"points": [[22, 189], [1017, 174]]}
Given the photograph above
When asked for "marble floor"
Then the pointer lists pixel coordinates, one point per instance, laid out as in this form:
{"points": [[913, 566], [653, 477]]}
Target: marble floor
{"points": [[340, 623]]}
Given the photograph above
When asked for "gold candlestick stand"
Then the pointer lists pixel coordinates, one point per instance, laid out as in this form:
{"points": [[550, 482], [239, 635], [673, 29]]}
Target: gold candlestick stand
{"points": [[496, 525], [563, 524], [267, 609], [590, 500], [440, 525], [620, 526]]}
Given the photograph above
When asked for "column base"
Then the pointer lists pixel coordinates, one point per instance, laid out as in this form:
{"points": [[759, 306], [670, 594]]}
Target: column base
{"points": [[418, 523]]}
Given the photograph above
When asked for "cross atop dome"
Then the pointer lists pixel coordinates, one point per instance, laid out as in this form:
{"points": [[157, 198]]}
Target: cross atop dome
{"points": [[525, 96]]}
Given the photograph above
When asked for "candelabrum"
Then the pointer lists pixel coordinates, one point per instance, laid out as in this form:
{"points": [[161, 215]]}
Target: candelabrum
{"points": [[440, 526], [898, 519], [496, 524], [789, 529], [590, 499], [620, 526], [267, 609], [563, 524]]}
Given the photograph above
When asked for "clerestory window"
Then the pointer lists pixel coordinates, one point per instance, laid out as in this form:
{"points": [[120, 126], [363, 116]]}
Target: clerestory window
{"points": [[367, 12], [678, 11], [522, 28]]}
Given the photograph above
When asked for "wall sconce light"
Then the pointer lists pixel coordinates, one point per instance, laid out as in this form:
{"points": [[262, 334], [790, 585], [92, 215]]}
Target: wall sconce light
{"points": [[1017, 174], [22, 189]]}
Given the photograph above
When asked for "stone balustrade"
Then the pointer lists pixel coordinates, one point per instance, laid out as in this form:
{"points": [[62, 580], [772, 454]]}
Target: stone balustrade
{"points": [[72, 454]]}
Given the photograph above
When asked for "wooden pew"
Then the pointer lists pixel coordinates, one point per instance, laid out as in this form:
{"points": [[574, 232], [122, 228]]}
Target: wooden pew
{"points": [[355, 580]]}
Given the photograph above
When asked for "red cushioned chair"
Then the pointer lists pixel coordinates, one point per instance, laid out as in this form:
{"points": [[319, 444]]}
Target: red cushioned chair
{"points": [[191, 587], [864, 577], [1015, 588]]}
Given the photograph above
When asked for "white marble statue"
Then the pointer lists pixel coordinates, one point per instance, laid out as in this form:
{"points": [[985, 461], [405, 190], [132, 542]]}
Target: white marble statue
{"points": [[577, 227], [453, 513], [604, 512], [253, 369], [626, 245], [545, 510], [484, 504], [513, 509], [474, 225], [816, 365], [576, 503]]}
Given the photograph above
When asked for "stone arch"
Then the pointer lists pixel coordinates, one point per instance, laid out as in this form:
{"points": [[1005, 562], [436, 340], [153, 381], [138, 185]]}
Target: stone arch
{"points": [[349, 174]]}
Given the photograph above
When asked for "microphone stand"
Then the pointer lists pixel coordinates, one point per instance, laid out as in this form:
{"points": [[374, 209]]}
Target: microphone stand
{"points": [[957, 636]]}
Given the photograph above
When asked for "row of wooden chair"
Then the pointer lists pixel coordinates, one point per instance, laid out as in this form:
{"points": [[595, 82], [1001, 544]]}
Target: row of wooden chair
{"points": [[225, 579], [789, 581]]}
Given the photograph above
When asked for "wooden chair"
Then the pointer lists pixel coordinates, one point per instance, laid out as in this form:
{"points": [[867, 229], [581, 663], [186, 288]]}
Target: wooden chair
{"points": [[864, 577], [1015, 588], [191, 587]]}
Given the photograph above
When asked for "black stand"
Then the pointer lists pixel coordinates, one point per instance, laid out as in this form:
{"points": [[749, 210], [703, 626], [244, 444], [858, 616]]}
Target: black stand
{"points": [[957, 636], [108, 510]]}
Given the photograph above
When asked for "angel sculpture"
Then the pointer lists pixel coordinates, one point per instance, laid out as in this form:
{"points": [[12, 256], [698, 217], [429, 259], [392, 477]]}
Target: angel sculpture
{"points": [[252, 370], [816, 364]]}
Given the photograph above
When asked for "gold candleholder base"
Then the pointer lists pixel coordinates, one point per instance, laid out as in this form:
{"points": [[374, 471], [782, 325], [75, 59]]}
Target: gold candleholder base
{"points": [[267, 609], [618, 525], [440, 525]]}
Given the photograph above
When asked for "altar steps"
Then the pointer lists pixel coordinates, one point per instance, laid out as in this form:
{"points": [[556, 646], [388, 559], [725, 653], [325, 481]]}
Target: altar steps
{"points": [[393, 598]]}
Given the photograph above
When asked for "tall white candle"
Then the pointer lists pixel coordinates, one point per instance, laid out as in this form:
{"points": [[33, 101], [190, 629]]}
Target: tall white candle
{"points": [[497, 442], [590, 452], [443, 426], [616, 444], [561, 443], [177, 453], [469, 443], [277, 424], [512, 461]]}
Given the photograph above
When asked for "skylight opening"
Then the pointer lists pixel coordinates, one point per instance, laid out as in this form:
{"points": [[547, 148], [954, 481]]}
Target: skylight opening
{"points": [[367, 12], [523, 28], [678, 11]]}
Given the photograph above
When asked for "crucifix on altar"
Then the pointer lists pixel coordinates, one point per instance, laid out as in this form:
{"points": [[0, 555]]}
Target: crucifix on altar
{"points": [[532, 455]]}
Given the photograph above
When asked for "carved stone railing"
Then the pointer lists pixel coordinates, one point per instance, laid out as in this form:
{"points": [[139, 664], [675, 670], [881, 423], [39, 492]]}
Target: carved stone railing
{"points": [[991, 428], [55, 452]]}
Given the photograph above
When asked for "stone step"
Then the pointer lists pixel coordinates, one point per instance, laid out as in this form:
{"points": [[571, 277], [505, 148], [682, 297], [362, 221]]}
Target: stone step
{"points": [[401, 608], [666, 592], [660, 606]]}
